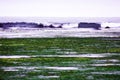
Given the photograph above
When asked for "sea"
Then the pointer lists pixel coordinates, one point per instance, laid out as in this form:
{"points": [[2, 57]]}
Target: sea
{"points": [[61, 19]]}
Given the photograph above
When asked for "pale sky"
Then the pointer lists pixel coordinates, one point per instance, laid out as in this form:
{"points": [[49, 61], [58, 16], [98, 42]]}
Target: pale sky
{"points": [[60, 8]]}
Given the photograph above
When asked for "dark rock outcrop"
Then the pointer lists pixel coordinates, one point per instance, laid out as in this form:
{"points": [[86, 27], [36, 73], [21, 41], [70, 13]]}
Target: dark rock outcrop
{"points": [[89, 25]]}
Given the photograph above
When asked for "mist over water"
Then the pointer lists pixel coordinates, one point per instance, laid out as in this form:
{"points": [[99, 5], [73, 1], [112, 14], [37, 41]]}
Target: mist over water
{"points": [[61, 19]]}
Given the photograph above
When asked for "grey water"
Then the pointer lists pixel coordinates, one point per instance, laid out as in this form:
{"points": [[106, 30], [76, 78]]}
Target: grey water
{"points": [[60, 19]]}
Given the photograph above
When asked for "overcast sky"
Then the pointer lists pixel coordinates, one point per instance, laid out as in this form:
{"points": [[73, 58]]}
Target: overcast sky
{"points": [[60, 8]]}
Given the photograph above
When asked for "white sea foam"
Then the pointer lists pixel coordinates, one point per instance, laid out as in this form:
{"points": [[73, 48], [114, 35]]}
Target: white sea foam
{"points": [[64, 32]]}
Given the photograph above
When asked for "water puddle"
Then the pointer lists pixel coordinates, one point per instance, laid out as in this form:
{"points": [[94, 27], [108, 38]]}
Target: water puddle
{"points": [[44, 77], [15, 56], [69, 68], [62, 68], [65, 52], [9, 69], [105, 64], [22, 75], [60, 51], [101, 55], [18, 68], [22, 68], [89, 77], [110, 73], [27, 51], [0, 44], [68, 54], [106, 61], [81, 55], [16, 44]]}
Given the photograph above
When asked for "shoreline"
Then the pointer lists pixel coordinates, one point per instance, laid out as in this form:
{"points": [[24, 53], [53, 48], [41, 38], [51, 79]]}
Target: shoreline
{"points": [[58, 32]]}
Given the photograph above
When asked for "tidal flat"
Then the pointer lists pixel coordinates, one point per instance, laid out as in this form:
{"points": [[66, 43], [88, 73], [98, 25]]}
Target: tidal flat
{"points": [[63, 58]]}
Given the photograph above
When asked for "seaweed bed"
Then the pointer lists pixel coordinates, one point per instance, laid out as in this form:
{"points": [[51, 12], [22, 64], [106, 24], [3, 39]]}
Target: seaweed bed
{"points": [[60, 58]]}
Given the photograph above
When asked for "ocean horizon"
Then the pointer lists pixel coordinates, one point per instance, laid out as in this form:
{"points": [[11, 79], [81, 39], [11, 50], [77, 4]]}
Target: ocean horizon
{"points": [[61, 19]]}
